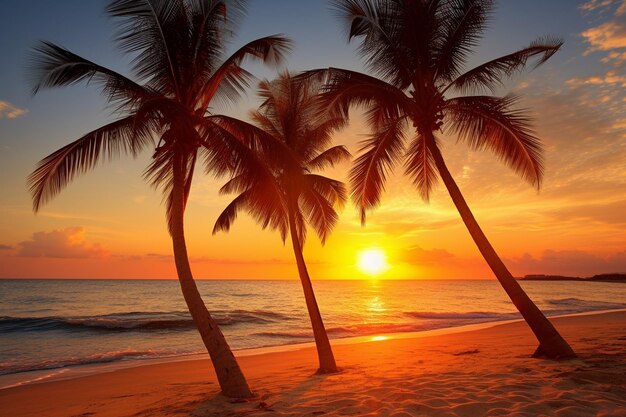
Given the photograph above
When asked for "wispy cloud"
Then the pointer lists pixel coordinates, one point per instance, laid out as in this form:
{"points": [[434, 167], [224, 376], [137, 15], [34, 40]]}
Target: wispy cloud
{"points": [[421, 256], [611, 78], [593, 5], [577, 263], [10, 111], [5, 247], [609, 36], [161, 257], [61, 243]]}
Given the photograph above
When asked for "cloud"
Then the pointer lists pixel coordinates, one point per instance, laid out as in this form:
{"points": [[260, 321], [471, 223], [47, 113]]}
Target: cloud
{"points": [[421, 256], [10, 111], [140, 199], [610, 213], [609, 36], [596, 4], [583, 126], [571, 263], [611, 78], [5, 247], [61, 243], [220, 261]]}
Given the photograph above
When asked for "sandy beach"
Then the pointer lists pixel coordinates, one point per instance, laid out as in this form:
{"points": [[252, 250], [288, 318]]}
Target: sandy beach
{"points": [[486, 372]]}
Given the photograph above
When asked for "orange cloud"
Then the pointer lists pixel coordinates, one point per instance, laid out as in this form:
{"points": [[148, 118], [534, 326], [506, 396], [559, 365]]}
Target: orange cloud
{"points": [[221, 261], [9, 111], [61, 243], [610, 78], [421, 256], [609, 36], [576, 263], [596, 4]]}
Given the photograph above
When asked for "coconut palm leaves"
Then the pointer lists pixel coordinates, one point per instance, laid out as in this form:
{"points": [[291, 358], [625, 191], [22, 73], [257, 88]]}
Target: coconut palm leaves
{"points": [[293, 196], [291, 115], [179, 72], [417, 51]]}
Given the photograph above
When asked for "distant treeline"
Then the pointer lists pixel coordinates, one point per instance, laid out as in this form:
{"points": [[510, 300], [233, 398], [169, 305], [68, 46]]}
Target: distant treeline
{"points": [[601, 277]]}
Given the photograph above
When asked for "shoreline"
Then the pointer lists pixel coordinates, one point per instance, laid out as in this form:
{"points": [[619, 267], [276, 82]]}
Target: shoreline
{"points": [[480, 372], [484, 372], [43, 376]]}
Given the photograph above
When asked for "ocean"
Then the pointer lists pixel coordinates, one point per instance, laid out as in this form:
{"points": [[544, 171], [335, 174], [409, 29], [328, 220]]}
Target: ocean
{"points": [[61, 324]]}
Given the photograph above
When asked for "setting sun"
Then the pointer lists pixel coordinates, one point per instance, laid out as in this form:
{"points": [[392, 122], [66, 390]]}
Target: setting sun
{"points": [[372, 261]]}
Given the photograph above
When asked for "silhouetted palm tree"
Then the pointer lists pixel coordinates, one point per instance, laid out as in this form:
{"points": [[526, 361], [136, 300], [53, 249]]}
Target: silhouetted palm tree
{"points": [[418, 50], [181, 69], [294, 195]]}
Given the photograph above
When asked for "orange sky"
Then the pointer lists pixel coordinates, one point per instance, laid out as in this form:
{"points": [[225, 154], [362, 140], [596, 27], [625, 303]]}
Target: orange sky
{"points": [[110, 223]]}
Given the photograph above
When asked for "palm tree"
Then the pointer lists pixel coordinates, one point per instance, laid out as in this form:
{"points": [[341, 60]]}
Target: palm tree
{"points": [[294, 196], [181, 69], [418, 50]]}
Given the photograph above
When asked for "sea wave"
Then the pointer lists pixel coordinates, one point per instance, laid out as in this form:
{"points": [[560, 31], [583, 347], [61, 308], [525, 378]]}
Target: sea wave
{"points": [[586, 305], [558, 306], [106, 357], [363, 329], [134, 321], [472, 315]]}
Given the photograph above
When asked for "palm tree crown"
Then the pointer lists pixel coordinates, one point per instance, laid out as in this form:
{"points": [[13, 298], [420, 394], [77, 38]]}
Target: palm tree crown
{"points": [[180, 62], [419, 49], [291, 115], [181, 69]]}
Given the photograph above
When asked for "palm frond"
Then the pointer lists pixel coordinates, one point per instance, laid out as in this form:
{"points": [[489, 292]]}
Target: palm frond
{"points": [[159, 172], [265, 123], [230, 79], [319, 213], [253, 138], [230, 11], [345, 88], [263, 201], [320, 133], [229, 214], [333, 191], [236, 184], [369, 172], [299, 223], [287, 143], [494, 123], [56, 170], [329, 158], [465, 22], [490, 75], [379, 26], [54, 66], [210, 20], [223, 152], [420, 166], [151, 30]]}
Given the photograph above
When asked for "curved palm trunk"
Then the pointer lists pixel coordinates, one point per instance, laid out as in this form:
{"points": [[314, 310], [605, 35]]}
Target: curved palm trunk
{"points": [[324, 351], [229, 375], [551, 344]]}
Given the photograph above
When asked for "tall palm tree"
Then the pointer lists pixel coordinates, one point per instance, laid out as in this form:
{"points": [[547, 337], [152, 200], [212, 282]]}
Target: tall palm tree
{"points": [[181, 68], [418, 50], [294, 196]]}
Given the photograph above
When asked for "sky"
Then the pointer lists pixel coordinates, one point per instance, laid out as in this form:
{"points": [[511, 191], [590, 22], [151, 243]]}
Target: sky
{"points": [[110, 223]]}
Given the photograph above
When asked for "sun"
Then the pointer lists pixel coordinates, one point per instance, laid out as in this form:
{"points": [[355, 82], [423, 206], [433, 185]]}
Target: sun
{"points": [[372, 261]]}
